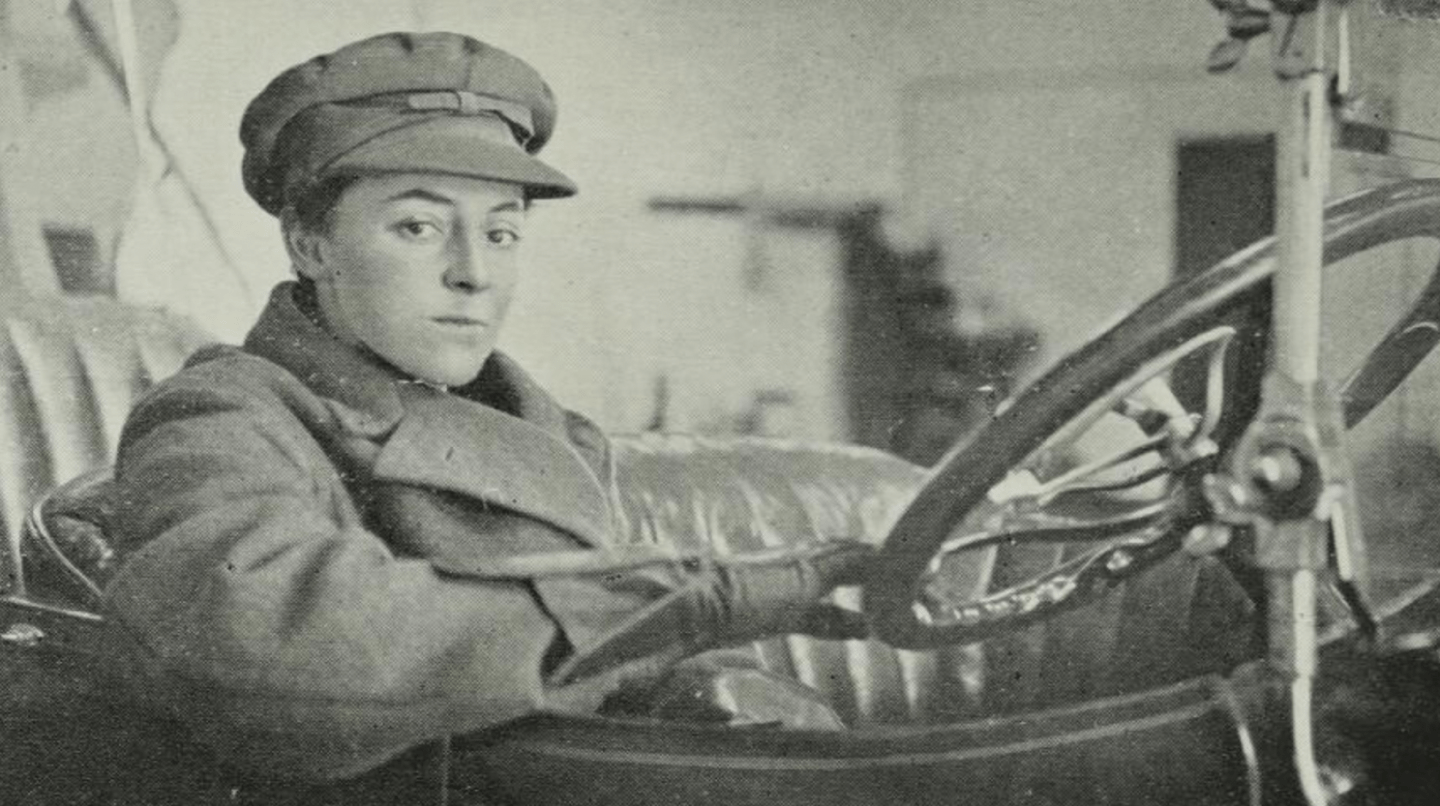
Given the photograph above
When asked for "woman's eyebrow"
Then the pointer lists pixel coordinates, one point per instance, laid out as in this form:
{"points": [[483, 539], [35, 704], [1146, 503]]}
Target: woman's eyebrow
{"points": [[439, 198], [421, 194]]}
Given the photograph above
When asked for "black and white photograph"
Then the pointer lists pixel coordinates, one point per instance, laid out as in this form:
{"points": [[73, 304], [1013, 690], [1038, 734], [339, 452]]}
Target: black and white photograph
{"points": [[720, 402]]}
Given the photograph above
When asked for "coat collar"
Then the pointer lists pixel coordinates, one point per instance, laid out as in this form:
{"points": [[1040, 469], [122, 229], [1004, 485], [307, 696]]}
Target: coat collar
{"points": [[500, 438], [363, 384]]}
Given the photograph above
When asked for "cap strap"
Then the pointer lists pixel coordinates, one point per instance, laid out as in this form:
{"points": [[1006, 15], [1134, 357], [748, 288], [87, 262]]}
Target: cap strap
{"points": [[461, 102]]}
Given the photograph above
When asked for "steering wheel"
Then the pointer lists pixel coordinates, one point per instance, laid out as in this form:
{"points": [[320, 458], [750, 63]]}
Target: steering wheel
{"points": [[996, 489]]}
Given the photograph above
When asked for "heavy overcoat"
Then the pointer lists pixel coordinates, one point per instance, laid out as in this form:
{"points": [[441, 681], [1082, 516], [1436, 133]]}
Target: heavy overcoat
{"points": [[309, 539]]}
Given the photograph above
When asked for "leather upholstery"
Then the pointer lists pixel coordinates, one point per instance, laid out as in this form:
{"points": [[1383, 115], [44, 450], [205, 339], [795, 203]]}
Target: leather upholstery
{"points": [[69, 370], [76, 366], [743, 494], [735, 495]]}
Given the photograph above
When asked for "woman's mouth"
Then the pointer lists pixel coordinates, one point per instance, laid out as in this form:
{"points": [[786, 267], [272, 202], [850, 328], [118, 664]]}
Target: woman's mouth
{"points": [[459, 321]]}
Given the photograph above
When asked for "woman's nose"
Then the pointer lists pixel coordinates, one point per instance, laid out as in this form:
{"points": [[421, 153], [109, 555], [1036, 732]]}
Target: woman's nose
{"points": [[467, 270]]}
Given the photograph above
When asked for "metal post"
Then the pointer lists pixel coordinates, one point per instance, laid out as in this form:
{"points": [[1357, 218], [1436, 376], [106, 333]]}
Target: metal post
{"points": [[1302, 178], [1286, 460]]}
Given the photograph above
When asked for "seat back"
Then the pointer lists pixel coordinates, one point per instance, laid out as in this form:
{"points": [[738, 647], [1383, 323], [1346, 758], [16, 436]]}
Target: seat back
{"points": [[71, 368], [75, 366], [729, 495], [739, 495]]}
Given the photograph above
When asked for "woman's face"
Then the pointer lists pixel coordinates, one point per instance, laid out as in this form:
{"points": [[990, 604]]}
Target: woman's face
{"points": [[420, 268]]}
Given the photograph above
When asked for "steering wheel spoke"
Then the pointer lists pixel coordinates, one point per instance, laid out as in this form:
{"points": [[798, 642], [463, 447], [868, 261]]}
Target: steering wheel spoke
{"points": [[1082, 479], [1075, 526], [1176, 438]]}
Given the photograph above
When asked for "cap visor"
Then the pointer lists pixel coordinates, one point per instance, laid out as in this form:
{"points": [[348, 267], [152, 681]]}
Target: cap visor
{"points": [[455, 149]]}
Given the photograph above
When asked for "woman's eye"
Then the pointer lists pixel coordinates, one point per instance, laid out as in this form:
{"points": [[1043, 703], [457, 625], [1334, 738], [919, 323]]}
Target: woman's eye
{"points": [[503, 237], [417, 229]]}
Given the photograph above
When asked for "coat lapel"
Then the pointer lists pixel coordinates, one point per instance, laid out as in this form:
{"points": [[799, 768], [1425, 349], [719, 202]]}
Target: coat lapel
{"points": [[500, 443], [445, 442]]}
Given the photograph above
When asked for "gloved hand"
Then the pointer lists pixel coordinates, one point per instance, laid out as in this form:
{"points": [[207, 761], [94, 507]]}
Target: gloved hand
{"points": [[695, 604], [759, 595]]}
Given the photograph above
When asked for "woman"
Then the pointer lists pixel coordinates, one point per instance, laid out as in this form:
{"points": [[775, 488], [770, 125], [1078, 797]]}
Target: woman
{"points": [[366, 530]]}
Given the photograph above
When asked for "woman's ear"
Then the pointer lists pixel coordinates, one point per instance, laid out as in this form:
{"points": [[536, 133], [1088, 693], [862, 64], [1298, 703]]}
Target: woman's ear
{"points": [[306, 247]]}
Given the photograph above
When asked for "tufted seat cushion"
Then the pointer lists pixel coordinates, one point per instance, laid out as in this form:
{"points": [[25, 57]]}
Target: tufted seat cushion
{"points": [[732, 495], [71, 368], [738, 495], [76, 366]]}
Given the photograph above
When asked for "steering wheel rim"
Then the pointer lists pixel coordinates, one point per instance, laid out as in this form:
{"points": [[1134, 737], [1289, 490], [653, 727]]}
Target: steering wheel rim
{"points": [[1237, 290]]}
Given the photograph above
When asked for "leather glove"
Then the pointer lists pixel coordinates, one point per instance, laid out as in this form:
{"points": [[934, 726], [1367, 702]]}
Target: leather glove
{"points": [[760, 595], [709, 602]]}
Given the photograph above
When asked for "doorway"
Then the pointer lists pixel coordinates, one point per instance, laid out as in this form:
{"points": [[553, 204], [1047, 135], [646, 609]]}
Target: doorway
{"points": [[1224, 198]]}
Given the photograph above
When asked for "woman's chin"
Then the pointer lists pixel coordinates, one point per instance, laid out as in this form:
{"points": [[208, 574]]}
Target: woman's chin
{"points": [[450, 376], [443, 370], [445, 362]]}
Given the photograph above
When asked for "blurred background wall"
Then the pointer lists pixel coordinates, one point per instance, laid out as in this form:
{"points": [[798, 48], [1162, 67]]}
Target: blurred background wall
{"points": [[1034, 150]]}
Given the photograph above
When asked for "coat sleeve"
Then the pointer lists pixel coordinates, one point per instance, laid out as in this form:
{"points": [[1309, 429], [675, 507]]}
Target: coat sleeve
{"points": [[258, 607]]}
